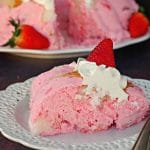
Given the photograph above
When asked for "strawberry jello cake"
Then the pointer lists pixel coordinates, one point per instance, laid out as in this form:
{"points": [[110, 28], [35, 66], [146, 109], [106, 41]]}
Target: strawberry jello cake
{"points": [[73, 23], [39, 14], [92, 20], [87, 96]]}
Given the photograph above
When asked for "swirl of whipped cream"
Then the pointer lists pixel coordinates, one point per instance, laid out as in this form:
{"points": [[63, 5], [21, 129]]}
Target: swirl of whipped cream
{"points": [[88, 3], [49, 12], [105, 80], [48, 4]]}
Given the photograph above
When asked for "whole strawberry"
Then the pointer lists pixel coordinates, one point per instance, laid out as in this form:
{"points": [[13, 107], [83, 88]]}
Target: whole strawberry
{"points": [[138, 24], [103, 53], [26, 36]]}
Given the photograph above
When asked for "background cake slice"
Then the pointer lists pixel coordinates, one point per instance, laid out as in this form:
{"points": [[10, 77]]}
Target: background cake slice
{"points": [[75, 23], [92, 20]]}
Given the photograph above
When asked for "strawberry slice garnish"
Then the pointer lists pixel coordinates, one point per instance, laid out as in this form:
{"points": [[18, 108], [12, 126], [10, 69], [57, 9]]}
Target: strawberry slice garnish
{"points": [[138, 24], [103, 53], [26, 36]]}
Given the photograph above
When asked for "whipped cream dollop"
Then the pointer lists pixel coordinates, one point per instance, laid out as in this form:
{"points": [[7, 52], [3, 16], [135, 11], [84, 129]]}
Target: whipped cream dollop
{"points": [[49, 6], [88, 3], [104, 80]]}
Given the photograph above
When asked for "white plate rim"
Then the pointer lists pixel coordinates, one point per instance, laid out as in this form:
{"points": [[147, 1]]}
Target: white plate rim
{"points": [[72, 52], [54, 145]]}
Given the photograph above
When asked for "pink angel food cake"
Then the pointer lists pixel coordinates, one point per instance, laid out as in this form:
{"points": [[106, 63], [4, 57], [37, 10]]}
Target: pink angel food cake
{"points": [[39, 14], [87, 96], [92, 20], [70, 23]]}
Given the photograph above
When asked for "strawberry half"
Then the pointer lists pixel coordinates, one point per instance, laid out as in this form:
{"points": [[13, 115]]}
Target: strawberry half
{"points": [[138, 24], [26, 36], [103, 53]]}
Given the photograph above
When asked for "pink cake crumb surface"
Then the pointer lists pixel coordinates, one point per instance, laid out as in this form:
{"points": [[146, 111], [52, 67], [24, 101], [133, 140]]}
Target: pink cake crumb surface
{"points": [[4, 17], [133, 110], [58, 104]]}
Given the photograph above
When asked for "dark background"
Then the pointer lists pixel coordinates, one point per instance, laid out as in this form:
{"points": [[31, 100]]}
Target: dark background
{"points": [[146, 4], [133, 61]]}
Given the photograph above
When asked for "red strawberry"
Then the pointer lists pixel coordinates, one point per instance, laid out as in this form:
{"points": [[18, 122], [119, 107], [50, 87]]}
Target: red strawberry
{"points": [[26, 36], [138, 24], [103, 53]]}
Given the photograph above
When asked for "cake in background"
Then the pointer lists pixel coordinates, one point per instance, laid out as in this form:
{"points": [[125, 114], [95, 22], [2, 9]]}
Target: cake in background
{"points": [[91, 20], [88, 96], [74, 23], [39, 14]]}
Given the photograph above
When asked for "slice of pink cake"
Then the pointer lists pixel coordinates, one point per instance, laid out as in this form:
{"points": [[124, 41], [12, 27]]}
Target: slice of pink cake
{"points": [[90, 21], [39, 14], [66, 99], [86, 96]]}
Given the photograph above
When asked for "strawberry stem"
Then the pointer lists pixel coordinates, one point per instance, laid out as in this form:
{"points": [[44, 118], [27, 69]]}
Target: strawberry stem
{"points": [[142, 10], [14, 23], [16, 33], [10, 43]]}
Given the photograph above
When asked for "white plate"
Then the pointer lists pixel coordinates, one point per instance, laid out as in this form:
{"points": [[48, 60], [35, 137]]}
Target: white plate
{"points": [[14, 125], [67, 53]]}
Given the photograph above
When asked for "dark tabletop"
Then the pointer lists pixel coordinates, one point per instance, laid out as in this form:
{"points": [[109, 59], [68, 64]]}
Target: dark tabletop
{"points": [[133, 61]]}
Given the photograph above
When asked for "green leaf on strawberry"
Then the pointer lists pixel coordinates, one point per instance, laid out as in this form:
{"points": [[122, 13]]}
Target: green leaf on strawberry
{"points": [[26, 36]]}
